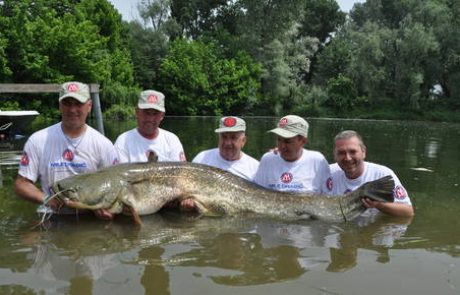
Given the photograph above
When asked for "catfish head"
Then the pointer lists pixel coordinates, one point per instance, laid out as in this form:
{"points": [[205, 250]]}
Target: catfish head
{"points": [[89, 191]]}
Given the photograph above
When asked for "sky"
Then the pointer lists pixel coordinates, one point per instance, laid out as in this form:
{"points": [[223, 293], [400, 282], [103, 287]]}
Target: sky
{"points": [[128, 8]]}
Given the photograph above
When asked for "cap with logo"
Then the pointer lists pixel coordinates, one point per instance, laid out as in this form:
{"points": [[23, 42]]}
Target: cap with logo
{"points": [[290, 126], [151, 99], [231, 124], [76, 90]]}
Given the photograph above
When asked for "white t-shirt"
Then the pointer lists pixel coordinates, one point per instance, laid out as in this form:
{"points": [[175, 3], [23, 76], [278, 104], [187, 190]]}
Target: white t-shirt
{"points": [[372, 171], [245, 167], [51, 156], [133, 147], [310, 173]]}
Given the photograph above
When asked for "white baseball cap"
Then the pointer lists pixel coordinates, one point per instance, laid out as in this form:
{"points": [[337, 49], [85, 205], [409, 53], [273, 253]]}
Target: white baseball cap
{"points": [[290, 126], [76, 90], [231, 124], [151, 99]]}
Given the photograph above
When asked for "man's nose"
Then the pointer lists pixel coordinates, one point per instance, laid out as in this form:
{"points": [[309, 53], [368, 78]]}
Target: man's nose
{"points": [[227, 142]]}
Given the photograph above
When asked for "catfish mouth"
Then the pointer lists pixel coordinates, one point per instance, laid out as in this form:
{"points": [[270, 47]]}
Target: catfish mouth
{"points": [[65, 195], [59, 192]]}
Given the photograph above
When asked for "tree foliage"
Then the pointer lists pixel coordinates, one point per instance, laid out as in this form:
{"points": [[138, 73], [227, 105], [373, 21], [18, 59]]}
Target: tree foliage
{"points": [[266, 57], [396, 52], [54, 41], [197, 79]]}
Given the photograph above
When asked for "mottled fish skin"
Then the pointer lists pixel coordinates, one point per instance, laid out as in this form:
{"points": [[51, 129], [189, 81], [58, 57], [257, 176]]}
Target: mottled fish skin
{"points": [[147, 187]]}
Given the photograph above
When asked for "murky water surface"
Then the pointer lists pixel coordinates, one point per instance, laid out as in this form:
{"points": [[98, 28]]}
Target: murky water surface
{"points": [[179, 254]]}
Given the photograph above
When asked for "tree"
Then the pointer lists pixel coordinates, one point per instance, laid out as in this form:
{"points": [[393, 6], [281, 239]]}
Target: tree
{"points": [[391, 50], [198, 80], [321, 18], [280, 35], [148, 48], [148, 42], [5, 71], [54, 41]]}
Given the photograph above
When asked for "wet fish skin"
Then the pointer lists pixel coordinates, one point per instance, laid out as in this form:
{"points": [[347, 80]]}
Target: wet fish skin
{"points": [[147, 187]]}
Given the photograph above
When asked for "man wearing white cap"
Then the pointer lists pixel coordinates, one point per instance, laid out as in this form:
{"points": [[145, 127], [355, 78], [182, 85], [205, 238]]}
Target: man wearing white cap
{"points": [[228, 155], [294, 168], [148, 139], [67, 148]]}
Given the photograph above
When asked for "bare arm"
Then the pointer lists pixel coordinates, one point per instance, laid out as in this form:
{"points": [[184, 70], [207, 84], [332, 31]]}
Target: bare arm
{"points": [[395, 209], [27, 190]]}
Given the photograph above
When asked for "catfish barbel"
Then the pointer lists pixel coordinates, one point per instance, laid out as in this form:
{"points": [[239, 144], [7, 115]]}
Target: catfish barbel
{"points": [[146, 187]]}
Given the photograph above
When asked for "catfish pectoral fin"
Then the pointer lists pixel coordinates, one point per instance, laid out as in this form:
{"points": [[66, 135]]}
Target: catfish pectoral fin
{"points": [[380, 189]]}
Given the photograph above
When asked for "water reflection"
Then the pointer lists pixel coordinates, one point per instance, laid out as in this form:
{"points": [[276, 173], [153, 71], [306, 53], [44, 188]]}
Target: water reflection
{"points": [[178, 254], [244, 254], [80, 256], [376, 232], [432, 148], [68, 257]]}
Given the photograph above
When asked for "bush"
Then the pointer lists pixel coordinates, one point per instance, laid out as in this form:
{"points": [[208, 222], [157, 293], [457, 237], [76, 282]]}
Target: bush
{"points": [[120, 112]]}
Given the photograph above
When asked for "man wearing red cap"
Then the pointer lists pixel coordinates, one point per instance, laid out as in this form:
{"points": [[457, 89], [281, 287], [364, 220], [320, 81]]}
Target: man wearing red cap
{"points": [[64, 149], [228, 155], [148, 139]]}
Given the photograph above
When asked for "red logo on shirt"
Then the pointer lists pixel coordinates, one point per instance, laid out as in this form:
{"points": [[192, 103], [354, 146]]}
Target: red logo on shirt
{"points": [[24, 159], [229, 122], [72, 87], [283, 122], [152, 98], [286, 177], [400, 192], [182, 157], [68, 155]]}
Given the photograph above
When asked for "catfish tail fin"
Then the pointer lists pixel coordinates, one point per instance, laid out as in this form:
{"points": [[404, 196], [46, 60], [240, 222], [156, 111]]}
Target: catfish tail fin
{"points": [[378, 190]]}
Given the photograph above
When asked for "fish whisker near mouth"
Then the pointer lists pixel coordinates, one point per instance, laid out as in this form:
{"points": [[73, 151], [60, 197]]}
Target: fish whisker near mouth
{"points": [[56, 195], [46, 215]]}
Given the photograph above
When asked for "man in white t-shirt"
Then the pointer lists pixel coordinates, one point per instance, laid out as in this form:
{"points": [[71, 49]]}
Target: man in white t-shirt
{"points": [[139, 144], [294, 168], [67, 148], [351, 171], [228, 155]]}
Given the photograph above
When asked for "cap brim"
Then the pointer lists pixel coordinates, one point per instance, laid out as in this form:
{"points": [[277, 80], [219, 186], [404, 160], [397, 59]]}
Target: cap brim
{"points": [[145, 106], [283, 133], [230, 129], [76, 96]]}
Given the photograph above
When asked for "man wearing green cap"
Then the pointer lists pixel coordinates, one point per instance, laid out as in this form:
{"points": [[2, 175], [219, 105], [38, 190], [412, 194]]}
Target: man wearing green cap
{"points": [[64, 149], [294, 168]]}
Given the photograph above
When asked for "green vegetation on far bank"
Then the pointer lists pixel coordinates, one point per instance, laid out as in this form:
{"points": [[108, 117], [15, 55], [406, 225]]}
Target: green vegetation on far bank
{"points": [[392, 59]]}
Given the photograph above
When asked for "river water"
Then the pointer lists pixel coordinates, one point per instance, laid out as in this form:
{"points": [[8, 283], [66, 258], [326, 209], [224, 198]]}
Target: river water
{"points": [[178, 254]]}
